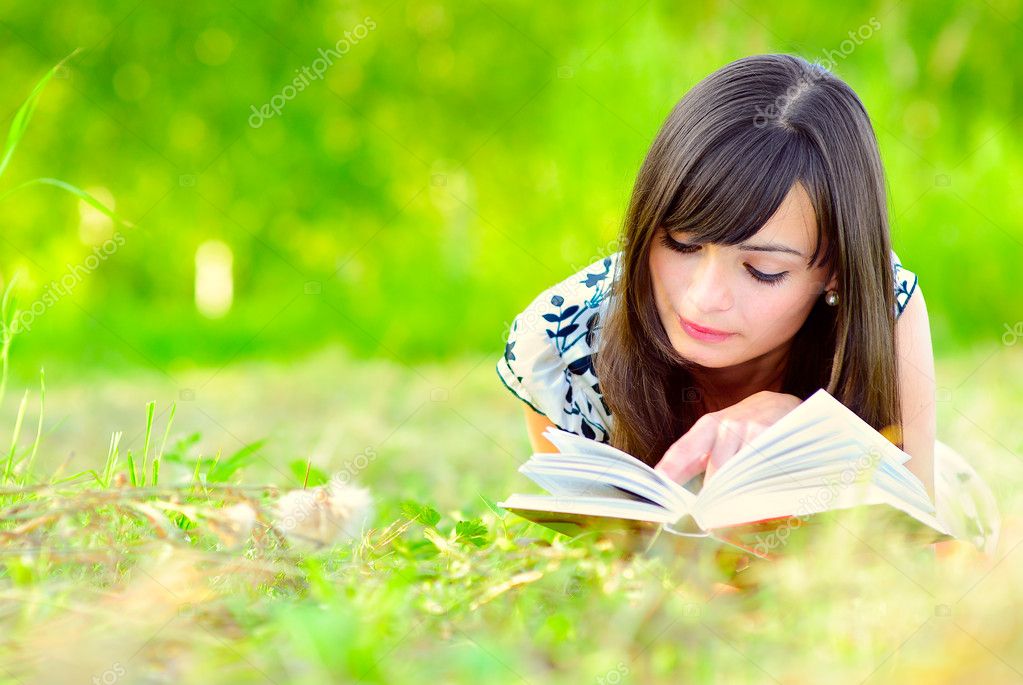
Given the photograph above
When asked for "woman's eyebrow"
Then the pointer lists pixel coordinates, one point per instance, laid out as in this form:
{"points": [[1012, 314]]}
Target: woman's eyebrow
{"points": [[751, 247], [769, 247]]}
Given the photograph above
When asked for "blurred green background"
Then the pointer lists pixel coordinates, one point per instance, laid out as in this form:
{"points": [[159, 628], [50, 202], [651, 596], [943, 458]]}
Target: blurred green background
{"points": [[456, 159]]}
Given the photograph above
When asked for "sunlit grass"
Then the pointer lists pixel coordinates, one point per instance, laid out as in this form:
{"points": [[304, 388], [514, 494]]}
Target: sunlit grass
{"points": [[171, 582], [470, 595]]}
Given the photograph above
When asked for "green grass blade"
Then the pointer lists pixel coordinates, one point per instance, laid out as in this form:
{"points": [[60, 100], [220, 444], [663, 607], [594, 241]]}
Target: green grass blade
{"points": [[24, 114], [9, 331], [150, 408], [131, 470], [163, 443], [68, 479], [82, 195], [39, 427], [222, 471], [111, 464], [213, 467], [195, 473], [9, 468]]}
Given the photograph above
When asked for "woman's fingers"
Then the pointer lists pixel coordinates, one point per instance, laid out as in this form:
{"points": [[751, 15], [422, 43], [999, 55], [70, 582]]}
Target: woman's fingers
{"points": [[716, 437], [682, 469], [689, 454], [729, 440]]}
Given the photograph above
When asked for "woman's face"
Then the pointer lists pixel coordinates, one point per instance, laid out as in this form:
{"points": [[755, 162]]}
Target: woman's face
{"points": [[759, 297]]}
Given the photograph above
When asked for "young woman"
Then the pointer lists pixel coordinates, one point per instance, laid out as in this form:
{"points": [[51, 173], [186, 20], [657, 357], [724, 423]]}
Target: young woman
{"points": [[756, 267]]}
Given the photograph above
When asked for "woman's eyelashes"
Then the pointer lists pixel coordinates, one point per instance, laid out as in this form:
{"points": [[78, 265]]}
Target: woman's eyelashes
{"points": [[683, 248], [769, 279], [675, 245]]}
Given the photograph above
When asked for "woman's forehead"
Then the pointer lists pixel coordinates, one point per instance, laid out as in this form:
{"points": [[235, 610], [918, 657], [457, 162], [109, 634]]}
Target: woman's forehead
{"points": [[794, 224]]}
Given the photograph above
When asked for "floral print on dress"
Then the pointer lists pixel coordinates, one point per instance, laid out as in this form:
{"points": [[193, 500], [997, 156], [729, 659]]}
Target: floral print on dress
{"points": [[548, 358], [905, 284]]}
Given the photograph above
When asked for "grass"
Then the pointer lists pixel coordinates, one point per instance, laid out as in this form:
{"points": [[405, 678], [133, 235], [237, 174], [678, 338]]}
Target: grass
{"points": [[160, 580], [486, 599]]}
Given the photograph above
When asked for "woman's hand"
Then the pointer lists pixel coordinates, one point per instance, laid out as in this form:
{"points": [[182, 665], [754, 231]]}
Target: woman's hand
{"points": [[717, 436]]}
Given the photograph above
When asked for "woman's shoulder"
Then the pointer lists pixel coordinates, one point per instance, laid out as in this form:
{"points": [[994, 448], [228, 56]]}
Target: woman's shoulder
{"points": [[565, 314], [547, 360], [905, 284]]}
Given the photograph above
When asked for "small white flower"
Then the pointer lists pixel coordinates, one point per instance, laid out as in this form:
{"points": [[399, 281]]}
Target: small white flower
{"points": [[323, 515]]}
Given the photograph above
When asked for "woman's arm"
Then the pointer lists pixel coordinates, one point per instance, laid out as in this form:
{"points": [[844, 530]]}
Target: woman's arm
{"points": [[536, 424], [917, 388]]}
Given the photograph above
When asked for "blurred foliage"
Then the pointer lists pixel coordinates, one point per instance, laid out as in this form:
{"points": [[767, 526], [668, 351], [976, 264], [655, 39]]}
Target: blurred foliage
{"points": [[455, 160]]}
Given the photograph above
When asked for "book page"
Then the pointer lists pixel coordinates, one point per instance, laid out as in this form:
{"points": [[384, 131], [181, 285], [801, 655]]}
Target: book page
{"points": [[758, 507], [576, 446], [680, 497], [561, 484], [802, 425], [572, 477], [819, 447], [591, 506]]}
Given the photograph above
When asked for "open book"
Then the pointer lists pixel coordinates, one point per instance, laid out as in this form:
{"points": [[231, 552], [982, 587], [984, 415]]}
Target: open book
{"points": [[820, 457]]}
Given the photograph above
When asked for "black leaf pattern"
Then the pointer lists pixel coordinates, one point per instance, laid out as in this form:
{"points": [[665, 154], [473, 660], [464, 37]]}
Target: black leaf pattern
{"points": [[567, 330]]}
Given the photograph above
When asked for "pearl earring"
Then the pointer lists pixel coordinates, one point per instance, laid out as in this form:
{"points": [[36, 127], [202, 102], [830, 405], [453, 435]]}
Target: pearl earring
{"points": [[831, 297]]}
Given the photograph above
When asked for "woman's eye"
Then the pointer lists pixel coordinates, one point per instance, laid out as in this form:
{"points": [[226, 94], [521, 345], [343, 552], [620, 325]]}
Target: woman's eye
{"points": [[770, 279], [675, 245], [684, 248]]}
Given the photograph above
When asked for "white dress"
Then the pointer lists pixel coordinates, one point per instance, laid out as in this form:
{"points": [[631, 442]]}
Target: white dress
{"points": [[548, 364]]}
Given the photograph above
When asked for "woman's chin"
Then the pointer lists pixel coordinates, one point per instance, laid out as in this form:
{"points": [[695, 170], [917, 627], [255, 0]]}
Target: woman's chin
{"points": [[701, 355]]}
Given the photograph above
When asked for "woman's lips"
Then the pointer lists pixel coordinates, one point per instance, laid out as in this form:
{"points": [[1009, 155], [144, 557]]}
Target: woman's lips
{"points": [[703, 333]]}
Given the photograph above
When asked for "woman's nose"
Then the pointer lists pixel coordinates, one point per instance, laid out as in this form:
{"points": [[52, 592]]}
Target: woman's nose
{"points": [[708, 288]]}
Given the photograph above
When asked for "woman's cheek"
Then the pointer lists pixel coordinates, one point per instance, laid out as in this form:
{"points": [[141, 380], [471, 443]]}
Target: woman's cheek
{"points": [[787, 313]]}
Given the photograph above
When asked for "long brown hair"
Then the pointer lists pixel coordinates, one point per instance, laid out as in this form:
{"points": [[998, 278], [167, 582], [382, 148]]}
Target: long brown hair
{"points": [[720, 166]]}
